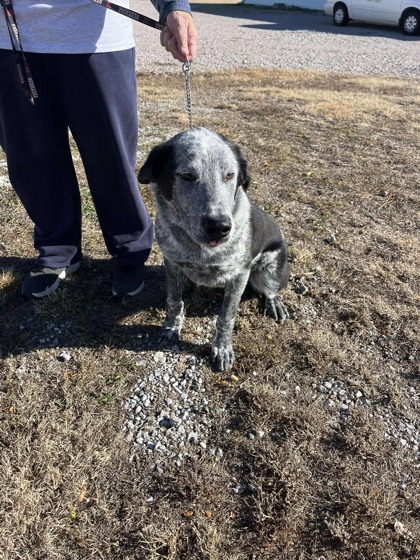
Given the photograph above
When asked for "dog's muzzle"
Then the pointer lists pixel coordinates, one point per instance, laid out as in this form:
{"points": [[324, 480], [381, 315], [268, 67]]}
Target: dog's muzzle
{"points": [[216, 229]]}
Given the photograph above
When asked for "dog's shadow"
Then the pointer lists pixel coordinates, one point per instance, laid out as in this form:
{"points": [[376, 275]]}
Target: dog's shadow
{"points": [[83, 314]]}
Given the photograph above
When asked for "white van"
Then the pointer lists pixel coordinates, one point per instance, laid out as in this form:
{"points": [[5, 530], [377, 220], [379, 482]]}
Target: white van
{"points": [[404, 13]]}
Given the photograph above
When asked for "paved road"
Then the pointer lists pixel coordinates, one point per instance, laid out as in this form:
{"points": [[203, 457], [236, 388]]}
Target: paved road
{"points": [[236, 36]]}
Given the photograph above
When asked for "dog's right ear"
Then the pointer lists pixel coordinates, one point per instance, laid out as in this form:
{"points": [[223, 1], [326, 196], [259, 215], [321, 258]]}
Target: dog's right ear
{"points": [[159, 169]]}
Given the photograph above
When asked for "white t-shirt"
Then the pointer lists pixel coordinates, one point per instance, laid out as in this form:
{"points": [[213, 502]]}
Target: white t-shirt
{"points": [[75, 26]]}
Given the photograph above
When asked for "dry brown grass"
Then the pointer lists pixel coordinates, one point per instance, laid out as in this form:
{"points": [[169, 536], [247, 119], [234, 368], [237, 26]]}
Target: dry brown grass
{"points": [[322, 150]]}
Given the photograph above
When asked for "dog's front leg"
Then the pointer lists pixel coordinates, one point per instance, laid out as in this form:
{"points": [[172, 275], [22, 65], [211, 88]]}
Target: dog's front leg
{"points": [[174, 320], [222, 355]]}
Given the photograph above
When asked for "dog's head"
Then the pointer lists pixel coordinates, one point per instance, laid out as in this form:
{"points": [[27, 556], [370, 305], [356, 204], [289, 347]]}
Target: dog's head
{"points": [[198, 173]]}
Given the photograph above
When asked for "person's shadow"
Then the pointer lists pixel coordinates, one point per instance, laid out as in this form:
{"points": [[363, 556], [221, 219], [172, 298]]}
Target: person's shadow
{"points": [[83, 314]]}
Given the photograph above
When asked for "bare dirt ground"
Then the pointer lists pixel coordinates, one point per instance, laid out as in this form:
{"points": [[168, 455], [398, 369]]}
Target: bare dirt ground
{"points": [[318, 422]]}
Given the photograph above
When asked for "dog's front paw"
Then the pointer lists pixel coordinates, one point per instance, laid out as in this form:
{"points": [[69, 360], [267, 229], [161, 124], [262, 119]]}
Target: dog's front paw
{"points": [[168, 334], [222, 356], [275, 309]]}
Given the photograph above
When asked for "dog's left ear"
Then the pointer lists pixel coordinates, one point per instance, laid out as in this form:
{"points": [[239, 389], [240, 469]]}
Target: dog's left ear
{"points": [[158, 168], [243, 176]]}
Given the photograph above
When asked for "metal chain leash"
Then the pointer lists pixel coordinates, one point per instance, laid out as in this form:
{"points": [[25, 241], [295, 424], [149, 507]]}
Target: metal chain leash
{"points": [[186, 67]]}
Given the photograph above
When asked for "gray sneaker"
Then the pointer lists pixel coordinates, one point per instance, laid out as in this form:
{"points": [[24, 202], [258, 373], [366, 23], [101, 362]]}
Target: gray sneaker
{"points": [[42, 280], [128, 280]]}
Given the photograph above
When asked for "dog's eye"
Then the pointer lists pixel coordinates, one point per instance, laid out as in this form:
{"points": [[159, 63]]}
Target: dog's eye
{"points": [[229, 176], [187, 176]]}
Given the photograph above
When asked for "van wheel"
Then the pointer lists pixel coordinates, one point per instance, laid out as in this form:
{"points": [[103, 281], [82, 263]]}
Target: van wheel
{"points": [[341, 15], [410, 22]]}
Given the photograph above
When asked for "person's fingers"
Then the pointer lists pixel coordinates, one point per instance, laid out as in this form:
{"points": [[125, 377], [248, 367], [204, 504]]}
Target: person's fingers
{"points": [[181, 33], [164, 36], [192, 45], [172, 47]]}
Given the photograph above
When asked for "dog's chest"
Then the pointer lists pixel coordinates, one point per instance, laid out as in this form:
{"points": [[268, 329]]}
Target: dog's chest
{"points": [[213, 276]]}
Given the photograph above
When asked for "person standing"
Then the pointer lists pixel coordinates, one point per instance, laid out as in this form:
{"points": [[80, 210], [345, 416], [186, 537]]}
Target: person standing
{"points": [[81, 58]]}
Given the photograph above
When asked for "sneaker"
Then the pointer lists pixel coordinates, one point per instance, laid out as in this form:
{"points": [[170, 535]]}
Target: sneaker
{"points": [[128, 280], [42, 280]]}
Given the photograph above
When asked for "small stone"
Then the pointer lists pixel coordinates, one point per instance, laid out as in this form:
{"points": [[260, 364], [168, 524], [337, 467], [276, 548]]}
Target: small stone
{"points": [[330, 239], [192, 437], [167, 423], [159, 357]]}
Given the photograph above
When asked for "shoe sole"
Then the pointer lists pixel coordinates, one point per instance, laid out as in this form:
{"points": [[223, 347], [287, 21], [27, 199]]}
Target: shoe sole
{"points": [[69, 270], [134, 293]]}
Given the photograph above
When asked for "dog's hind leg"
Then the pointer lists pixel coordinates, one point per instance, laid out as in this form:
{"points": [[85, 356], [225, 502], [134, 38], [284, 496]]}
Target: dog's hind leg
{"points": [[222, 355], [174, 320], [270, 273]]}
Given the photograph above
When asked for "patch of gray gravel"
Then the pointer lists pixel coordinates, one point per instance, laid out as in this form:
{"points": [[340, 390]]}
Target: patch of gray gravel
{"points": [[239, 36], [168, 411], [169, 418]]}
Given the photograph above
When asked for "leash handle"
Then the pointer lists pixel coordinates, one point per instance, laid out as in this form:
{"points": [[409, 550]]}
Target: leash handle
{"points": [[25, 76], [130, 13]]}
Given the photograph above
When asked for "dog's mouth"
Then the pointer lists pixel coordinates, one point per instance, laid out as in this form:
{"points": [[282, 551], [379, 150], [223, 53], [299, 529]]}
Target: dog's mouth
{"points": [[217, 242]]}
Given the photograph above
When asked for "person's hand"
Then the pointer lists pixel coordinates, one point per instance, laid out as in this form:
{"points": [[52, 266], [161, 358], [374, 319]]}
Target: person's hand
{"points": [[179, 36]]}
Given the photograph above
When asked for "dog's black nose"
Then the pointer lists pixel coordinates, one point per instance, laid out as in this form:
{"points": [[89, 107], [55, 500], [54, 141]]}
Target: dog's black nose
{"points": [[216, 228]]}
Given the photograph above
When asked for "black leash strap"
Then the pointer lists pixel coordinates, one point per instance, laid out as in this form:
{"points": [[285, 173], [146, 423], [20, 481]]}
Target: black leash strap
{"points": [[130, 13], [24, 72]]}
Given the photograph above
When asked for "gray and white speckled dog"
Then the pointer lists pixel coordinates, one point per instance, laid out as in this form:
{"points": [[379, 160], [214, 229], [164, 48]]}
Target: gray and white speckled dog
{"points": [[211, 233]]}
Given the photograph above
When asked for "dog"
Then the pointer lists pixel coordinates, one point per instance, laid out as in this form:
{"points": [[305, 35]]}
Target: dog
{"points": [[211, 233]]}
